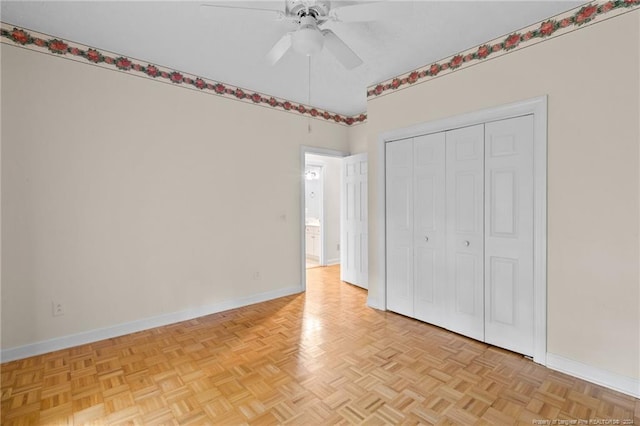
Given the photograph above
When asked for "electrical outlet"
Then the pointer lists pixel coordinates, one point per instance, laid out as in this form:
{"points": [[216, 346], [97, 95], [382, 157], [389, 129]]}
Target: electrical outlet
{"points": [[256, 275], [57, 309]]}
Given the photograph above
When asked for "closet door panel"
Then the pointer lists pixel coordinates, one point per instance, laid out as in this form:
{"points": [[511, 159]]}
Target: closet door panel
{"points": [[465, 230], [429, 228], [509, 234], [399, 226]]}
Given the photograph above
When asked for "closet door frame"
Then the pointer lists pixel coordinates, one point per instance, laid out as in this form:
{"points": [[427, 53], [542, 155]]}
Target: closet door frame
{"points": [[538, 108]]}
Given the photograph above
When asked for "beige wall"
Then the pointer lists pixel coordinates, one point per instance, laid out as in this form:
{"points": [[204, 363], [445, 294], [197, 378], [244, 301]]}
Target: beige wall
{"points": [[591, 77], [358, 138], [126, 198]]}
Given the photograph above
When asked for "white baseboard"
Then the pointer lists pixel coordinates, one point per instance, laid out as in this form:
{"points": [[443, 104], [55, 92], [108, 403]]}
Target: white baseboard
{"points": [[372, 302], [618, 382], [333, 261], [90, 336]]}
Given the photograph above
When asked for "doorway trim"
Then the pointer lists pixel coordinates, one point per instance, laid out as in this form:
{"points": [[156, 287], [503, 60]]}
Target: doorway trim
{"points": [[304, 149], [537, 107]]}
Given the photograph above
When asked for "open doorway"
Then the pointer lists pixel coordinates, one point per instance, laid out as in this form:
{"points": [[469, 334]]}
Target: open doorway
{"points": [[337, 231], [314, 224], [320, 208]]}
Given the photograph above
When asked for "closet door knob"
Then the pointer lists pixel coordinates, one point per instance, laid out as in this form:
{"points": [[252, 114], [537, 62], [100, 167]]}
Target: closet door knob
{"points": [[426, 239], [466, 243]]}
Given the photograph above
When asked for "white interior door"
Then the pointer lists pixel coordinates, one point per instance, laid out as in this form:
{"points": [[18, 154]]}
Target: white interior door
{"points": [[509, 234], [429, 228], [399, 226], [353, 240], [465, 230]]}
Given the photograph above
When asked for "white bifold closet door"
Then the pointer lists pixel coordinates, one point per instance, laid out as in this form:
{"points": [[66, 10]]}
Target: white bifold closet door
{"points": [[429, 228], [509, 234], [416, 234], [399, 189], [465, 230], [459, 230]]}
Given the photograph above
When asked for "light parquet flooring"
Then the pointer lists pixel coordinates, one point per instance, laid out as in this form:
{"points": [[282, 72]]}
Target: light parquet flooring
{"points": [[311, 359]]}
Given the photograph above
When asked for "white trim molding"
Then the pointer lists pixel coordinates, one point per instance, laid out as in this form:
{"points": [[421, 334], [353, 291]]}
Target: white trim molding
{"points": [[538, 108], [618, 382], [63, 342]]}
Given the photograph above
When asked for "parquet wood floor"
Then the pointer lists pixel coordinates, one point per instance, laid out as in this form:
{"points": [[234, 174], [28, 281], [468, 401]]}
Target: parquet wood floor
{"points": [[311, 359]]}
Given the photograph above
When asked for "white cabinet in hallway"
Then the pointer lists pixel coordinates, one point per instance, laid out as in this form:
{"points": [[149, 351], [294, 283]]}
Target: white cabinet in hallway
{"points": [[459, 230], [312, 240]]}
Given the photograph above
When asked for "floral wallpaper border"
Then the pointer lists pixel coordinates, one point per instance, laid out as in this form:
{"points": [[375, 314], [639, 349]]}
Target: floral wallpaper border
{"points": [[549, 28], [56, 46], [562, 23]]}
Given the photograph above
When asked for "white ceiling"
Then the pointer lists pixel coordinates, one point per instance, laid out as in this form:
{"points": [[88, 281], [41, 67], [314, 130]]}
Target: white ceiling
{"points": [[230, 45]]}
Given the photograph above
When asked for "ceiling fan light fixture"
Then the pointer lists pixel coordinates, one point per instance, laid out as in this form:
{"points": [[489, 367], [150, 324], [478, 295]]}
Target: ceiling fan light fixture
{"points": [[308, 40]]}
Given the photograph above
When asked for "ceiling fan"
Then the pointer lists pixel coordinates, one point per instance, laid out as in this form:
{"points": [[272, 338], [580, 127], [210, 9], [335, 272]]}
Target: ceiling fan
{"points": [[308, 39]]}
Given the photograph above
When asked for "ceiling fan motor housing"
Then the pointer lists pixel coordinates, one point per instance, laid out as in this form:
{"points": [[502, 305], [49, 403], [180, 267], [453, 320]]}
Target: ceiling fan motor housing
{"points": [[318, 8], [307, 40]]}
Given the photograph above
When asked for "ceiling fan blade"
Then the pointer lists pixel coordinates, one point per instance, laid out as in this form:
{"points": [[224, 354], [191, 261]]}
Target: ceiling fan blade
{"points": [[365, 12], [340, 50], [279, 49], [276, 14]]}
